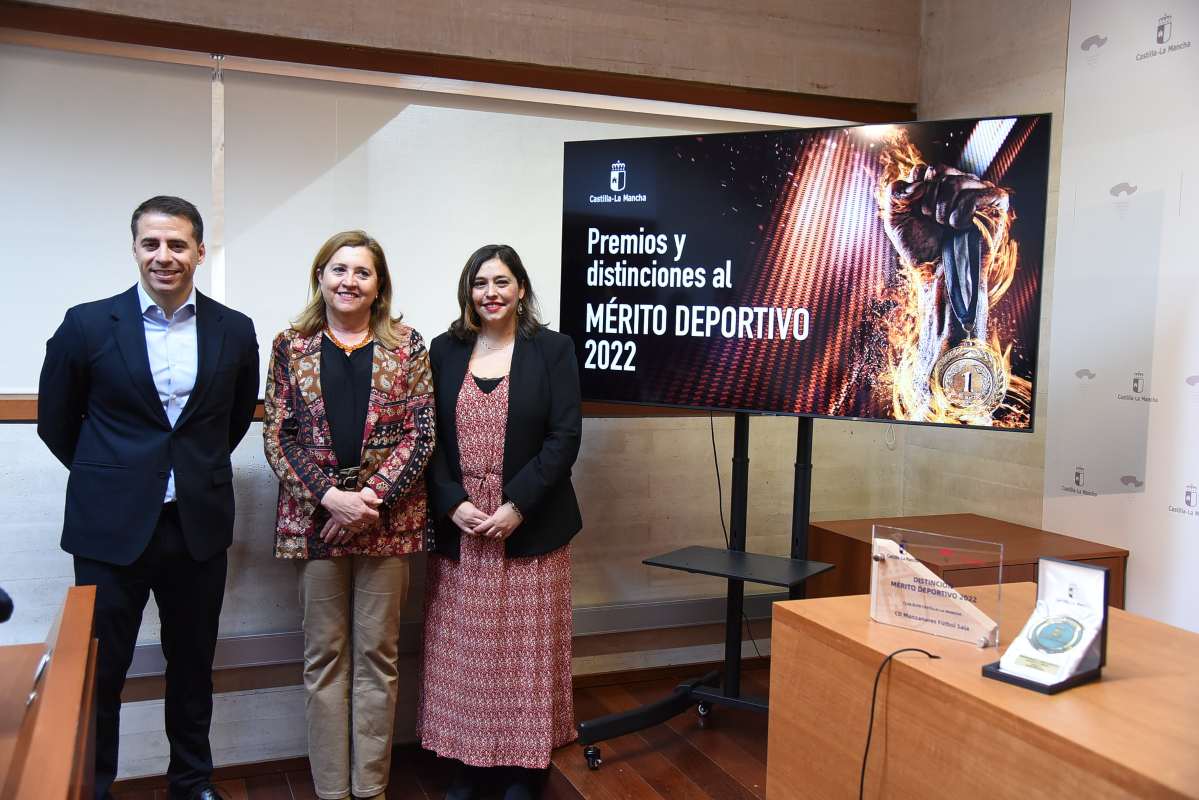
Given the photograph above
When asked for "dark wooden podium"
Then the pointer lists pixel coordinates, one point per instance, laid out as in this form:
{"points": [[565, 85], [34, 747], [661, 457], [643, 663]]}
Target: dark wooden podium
{"points": [[47, 708]]}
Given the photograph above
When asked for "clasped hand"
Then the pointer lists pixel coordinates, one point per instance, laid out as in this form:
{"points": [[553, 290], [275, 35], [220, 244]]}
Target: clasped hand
{"points": [[349, 513], [499, 525], [934, 202]]}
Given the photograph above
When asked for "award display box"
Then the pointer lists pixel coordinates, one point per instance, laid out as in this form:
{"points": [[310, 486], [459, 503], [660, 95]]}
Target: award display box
{"points": [[1064, 642]]}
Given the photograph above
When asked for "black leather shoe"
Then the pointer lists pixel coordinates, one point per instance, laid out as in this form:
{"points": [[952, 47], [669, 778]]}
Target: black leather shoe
{"points": [[208, 792], [519, 790], [524, 784], [465, 785]]}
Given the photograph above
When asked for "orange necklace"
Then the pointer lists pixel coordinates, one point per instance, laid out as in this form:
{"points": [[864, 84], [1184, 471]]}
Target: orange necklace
{"points": [[348, 348]]}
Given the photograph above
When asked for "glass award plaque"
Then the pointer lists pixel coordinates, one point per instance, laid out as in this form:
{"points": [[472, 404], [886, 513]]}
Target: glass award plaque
{"points": [[1064, 642], [908, 588]]}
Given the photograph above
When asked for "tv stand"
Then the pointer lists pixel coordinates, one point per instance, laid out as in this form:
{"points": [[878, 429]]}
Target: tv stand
{"points": [[738, 567]]}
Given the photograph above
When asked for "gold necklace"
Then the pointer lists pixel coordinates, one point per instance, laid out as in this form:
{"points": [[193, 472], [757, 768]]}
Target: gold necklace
{"points": [[348, 348], [486, 346]]}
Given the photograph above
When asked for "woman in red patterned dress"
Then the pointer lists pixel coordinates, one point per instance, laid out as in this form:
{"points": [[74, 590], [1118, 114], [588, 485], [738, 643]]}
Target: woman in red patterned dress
{"points": [[349, 431], [496, 677]]}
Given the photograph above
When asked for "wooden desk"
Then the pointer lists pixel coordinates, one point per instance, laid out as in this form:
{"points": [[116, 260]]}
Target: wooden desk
{"points": [[17, 663], [47, 746], [846, 544], [942, 730]]}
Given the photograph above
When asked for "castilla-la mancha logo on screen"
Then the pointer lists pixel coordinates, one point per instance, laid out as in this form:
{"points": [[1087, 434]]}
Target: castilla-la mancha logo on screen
{"points": [[618, 178]]}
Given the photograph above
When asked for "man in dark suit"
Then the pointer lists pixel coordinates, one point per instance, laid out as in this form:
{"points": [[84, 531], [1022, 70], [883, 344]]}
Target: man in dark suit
{"points": [[142, 397]]}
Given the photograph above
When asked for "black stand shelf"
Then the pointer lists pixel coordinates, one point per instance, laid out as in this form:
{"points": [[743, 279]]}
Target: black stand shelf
{"points": [[738, 567]]}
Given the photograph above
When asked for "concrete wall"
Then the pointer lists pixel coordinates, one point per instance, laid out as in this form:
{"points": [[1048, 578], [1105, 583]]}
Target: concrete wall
{"points": [[867, 49]]}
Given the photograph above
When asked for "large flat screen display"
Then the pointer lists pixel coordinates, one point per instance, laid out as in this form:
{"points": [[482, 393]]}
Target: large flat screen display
{"points": [[888, 272]]}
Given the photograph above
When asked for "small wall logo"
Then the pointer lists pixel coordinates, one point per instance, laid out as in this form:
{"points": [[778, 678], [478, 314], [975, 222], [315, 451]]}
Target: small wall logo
{"points": [[1140, 389], [1165, 26], [618, 178], [1091, 46], [1121, 193], [1163, 36], [1190, 504], [1079, 484], [1084, 373]]}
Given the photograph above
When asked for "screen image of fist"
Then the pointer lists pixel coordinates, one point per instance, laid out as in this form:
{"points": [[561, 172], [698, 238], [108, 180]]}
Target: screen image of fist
{"points": [[934, 202]]}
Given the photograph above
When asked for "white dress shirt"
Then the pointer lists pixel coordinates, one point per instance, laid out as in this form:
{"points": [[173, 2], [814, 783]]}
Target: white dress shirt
{"points": [[174, 356]]}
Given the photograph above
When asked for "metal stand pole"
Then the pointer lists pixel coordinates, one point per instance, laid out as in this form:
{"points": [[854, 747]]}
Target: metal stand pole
{"points": [[736, 589], [801, 498]]}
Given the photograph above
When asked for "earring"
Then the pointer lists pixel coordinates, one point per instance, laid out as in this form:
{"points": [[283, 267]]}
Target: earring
{"points": [[520, 308]]}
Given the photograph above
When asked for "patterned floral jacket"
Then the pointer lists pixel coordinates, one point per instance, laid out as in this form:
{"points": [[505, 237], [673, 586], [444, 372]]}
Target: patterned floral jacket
{"points": [[397, 443]]}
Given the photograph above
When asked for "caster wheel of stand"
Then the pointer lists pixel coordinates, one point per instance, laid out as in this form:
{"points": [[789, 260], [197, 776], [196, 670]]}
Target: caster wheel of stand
{"points": [[592, 754], [704, 711]]}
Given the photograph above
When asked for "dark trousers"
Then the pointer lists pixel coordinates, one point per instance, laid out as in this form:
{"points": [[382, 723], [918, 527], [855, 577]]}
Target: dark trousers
{"points": [[189, 595]]}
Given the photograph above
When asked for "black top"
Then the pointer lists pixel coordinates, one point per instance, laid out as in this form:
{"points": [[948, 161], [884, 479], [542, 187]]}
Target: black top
{"points": [[346, 386], [486, 385]]}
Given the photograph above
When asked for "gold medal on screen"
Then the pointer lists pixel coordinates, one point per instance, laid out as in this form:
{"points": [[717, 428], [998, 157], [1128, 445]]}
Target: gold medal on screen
{"points": [[971, 377]]}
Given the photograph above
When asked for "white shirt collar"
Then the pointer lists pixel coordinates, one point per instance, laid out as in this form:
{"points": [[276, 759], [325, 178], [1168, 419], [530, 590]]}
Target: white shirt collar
{"points": [[147, 302]]}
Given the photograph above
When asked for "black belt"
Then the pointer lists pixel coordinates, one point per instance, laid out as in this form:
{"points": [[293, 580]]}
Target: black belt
{"points": [[346, 479]]}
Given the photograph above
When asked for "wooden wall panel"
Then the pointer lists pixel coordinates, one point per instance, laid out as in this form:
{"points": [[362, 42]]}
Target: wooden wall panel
{"points": [[868, 49]]}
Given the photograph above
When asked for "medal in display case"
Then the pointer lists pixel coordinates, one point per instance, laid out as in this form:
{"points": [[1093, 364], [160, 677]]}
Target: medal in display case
{"points": [[1064, 642]]}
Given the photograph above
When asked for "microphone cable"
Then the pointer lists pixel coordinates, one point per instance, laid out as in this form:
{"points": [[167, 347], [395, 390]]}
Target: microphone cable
{"points": [[873, 700]]}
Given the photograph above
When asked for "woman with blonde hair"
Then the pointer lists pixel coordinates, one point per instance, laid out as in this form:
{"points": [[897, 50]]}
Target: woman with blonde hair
{"points": [[349, 429]]}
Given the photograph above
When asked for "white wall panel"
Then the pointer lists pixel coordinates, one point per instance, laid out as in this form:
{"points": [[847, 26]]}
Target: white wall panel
{"points": [[431, 181], [85, 140], [1121, 464]]}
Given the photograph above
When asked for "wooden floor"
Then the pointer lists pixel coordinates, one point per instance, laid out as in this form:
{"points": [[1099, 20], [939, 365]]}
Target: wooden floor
{"points": [[725, 759]]}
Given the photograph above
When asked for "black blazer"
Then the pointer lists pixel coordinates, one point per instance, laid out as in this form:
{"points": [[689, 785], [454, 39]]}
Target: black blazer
{"points": [[541, 441], [100, 415]]}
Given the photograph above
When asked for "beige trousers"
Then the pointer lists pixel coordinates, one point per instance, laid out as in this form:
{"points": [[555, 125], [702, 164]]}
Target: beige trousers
{"points": [[351, 611]]}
